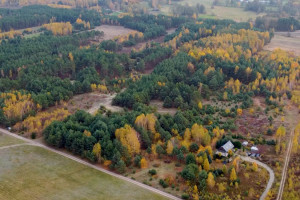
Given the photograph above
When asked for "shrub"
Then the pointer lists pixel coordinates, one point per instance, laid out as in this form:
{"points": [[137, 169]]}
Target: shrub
{"points": [[185, 196], [33, 135], [163, 183], [152, 172]]}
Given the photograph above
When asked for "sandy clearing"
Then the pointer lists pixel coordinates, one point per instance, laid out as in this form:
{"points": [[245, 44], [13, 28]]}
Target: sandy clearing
{"points": [[110, 31], [104, 100]]}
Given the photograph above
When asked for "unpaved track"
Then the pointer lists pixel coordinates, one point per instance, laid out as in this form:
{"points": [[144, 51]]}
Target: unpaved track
{"points": [[14, 145], [31, 142], [285, 167], [271, 173]]}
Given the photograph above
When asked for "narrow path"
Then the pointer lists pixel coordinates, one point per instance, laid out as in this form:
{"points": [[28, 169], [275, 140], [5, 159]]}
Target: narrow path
{"points": [[31, 142], [271, 173], [14, 145], [285, 167]]}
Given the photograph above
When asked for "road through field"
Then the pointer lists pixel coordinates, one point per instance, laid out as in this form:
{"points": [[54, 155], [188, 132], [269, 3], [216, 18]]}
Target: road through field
{"points": [[285, 167], [271, 172], [31, 142], [14, 145]]}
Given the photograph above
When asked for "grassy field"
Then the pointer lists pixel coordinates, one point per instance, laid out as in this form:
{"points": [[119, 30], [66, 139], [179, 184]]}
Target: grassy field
{"points": [[219, 12], [7, 140], [32, 173], [285, 41]]}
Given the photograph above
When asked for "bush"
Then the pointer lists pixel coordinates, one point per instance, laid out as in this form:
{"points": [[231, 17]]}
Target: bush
{"points": [[185, 196], [33, 135], [152, 172], [163, 183], [271, 142], [137, 161], [270, 132]]}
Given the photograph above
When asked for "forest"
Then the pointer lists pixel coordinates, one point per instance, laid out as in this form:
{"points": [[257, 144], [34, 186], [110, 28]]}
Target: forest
{"points": [[214, 73]]}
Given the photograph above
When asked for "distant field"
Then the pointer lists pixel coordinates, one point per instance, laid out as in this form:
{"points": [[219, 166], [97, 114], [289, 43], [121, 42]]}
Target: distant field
{"points": [[219, 12], [7, 140], [282, 41], [50, 176]]}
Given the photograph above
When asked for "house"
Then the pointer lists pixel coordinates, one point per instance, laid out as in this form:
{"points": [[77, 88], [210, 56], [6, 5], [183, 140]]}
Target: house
{"points": [[223, 150]]}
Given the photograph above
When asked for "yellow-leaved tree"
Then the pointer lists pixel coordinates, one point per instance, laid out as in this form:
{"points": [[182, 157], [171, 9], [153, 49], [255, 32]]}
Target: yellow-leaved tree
{"points": [[97, 151], [206, 165], [211, 180], [169, 148], [144, 163], [233, 176], [129, 139]]}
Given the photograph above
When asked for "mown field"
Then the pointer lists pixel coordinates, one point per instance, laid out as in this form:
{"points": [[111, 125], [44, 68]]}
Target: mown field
{"points": [[52, 177], [219, 12], [7, 140], [286, 41]]}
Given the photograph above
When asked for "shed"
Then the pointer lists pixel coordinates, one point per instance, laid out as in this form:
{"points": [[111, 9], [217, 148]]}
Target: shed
{"points": [[254, 149], [245, 143]]}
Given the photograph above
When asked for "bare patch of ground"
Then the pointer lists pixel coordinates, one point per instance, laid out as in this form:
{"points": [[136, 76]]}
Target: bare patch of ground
{"points": [[110, 31], [160, 109], [286, 41], [90, 102], [259, 102], [104, 100]]}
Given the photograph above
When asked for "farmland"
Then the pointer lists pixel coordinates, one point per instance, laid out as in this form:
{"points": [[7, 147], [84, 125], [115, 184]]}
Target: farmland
{"points": [[6, 140], [52, 177], [217, 12], [289, 41]]}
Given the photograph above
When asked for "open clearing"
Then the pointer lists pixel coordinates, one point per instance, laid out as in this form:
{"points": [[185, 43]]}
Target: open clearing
{"points": [[104, 100], [160, 109], [90, 102], [111, 31], [51, 176], [282, 41], [7, 140]]}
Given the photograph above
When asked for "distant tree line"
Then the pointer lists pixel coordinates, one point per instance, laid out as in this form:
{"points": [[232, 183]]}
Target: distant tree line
{"points": [[36, 15], [278, 24]]}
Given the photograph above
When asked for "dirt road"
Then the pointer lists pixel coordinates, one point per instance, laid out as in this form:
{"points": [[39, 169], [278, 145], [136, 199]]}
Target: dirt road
{"points": [[271, 173], [285, 167], [31, 142], [14, 145]]}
